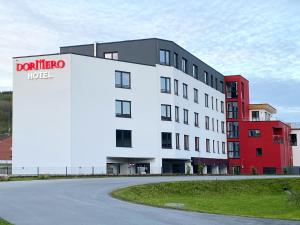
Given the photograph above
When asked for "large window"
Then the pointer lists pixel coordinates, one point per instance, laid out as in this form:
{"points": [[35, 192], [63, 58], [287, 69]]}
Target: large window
{"points": [[255, 115], [232, 110], [176, 113], [177, 135], [195, 71], [293, 139], [206, 100], [206, 122], [232, 129], [185, 90], [175, 59], [186, 142], [165, 85], [253, 133], [166, 112], [123, 138], [123, 108], [122, 79], [196, 119], [197, 144], [207, 145], [184, 65], [185, 116], [206, 77], [111, 55], [164, 57], [231, 90], [196, 96], [176, 87], [233, 150], [166, 140]]}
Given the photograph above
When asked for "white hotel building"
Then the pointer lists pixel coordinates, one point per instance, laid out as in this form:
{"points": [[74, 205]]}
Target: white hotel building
{"points": [[141, 106]]}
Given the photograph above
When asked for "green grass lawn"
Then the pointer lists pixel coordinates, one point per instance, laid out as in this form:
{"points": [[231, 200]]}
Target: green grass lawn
{"points": [[3, 222], [255, 198]]}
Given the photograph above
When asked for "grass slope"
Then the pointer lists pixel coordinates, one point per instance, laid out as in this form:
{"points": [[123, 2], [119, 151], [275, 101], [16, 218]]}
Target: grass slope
{"points": [[4, 222], [255, 198]]}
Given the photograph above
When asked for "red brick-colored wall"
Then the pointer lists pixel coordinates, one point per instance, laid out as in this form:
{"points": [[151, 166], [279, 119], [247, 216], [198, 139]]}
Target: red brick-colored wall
{"points": [[5, 148]]}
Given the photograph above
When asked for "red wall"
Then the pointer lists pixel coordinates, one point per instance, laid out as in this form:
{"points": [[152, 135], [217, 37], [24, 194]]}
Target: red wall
{"points": [[5, 148]]}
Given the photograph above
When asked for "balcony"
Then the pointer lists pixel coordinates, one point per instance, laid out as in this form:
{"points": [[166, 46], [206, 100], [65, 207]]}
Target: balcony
{"points": [[278, 139]]}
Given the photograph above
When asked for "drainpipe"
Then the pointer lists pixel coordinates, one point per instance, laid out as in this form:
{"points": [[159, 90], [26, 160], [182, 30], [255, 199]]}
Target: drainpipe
{"points": [[95, 49]]}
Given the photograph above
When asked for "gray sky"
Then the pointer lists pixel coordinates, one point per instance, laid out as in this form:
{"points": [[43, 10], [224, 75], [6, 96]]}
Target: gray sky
{"points": [[258, 39]]}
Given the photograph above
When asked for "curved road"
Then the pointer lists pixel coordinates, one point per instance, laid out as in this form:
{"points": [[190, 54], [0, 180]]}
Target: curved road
{"points": [[86, 202]]}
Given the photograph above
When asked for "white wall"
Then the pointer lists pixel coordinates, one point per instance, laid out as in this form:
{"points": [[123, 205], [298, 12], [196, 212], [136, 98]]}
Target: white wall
{"points": [[296, 149]]}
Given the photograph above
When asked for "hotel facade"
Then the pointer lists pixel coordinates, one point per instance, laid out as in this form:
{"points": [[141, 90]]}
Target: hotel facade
{"points": [[132, 107]]}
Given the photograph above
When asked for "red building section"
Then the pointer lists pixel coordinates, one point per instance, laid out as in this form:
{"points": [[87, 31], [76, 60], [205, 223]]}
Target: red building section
{"points": [[5, 147], [257, 144]]}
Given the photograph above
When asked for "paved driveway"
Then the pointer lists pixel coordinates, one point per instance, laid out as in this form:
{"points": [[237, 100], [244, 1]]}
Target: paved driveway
{"points": [[86, 202]]}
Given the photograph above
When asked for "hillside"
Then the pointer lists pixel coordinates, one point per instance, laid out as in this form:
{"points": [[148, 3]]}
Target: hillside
{"points": [[5, 112]]}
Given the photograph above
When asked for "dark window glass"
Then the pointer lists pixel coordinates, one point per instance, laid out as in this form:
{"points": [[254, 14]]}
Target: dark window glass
{"points": [[196, 97], [233, 150], [231, 90], [185, 91], [122, 79], [206, 122], [223, 148], [176, 87], [165, 85], [232, 129], [177, 141], [217, 105], [222, 86], [186, 142], [185, 116], [166, 140], [207, 145], [223, 127], [195, 71], [164, 57], [196, 119], [123, 108], [213, 124], [206, 100], [255, 115], [232, 110], [259, 152], [206, 77], [212, 102], [222, 107], [253, 133], [176, 113], [166, 112], [184, 65], [175, 60], [293, 139], [211, 81], [197, 144], [123, 138]]}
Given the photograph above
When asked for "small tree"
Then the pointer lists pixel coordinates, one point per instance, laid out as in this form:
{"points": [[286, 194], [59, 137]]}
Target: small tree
{"points": [[200, 168], [188, 169], [253, 170]]}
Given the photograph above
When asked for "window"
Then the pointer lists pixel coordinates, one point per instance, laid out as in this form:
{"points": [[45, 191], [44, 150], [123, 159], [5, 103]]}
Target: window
{"points": [[186, 142], [111, 55], [217, 107], [253, 133], [206, 122], [185, 116], [223, 148], [166, 140], [231, 90], [293, 139], [177, 136], [196, 119], [218, 147], [164, 57], [218, 126], [259, 152], [166, 112], [212, 102], [207, 145], [242, 90], [165, 86], [123, 138], [206, 100], [175, 59], [122, 79], [222, 107], [223, 127], [214, 150], [233, 150], [255, 115], [176, 87], [123, 108], [213, 124], [216, 83], [185, 91], [232, 110], [177, 114], [196, 98], [197, 144], [205, 77], [195, 71], [184, 65], [211, 81], [222, 86], [232, 129]]}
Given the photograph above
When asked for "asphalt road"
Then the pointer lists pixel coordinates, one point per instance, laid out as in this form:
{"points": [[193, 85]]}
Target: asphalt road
{"points": [[86, 202]]}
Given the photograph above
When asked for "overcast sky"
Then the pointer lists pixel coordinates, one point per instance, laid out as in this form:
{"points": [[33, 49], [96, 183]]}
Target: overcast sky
{"points": [[259, 39]]}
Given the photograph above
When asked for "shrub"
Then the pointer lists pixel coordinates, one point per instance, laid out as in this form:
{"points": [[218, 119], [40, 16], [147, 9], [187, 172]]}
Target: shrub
{"points": [[43, 177], [4, 178], [294, 197]]}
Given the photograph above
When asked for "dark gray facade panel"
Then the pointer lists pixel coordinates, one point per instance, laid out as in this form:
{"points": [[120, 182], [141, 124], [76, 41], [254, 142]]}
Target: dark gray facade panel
{"points": [[146, 51]]}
